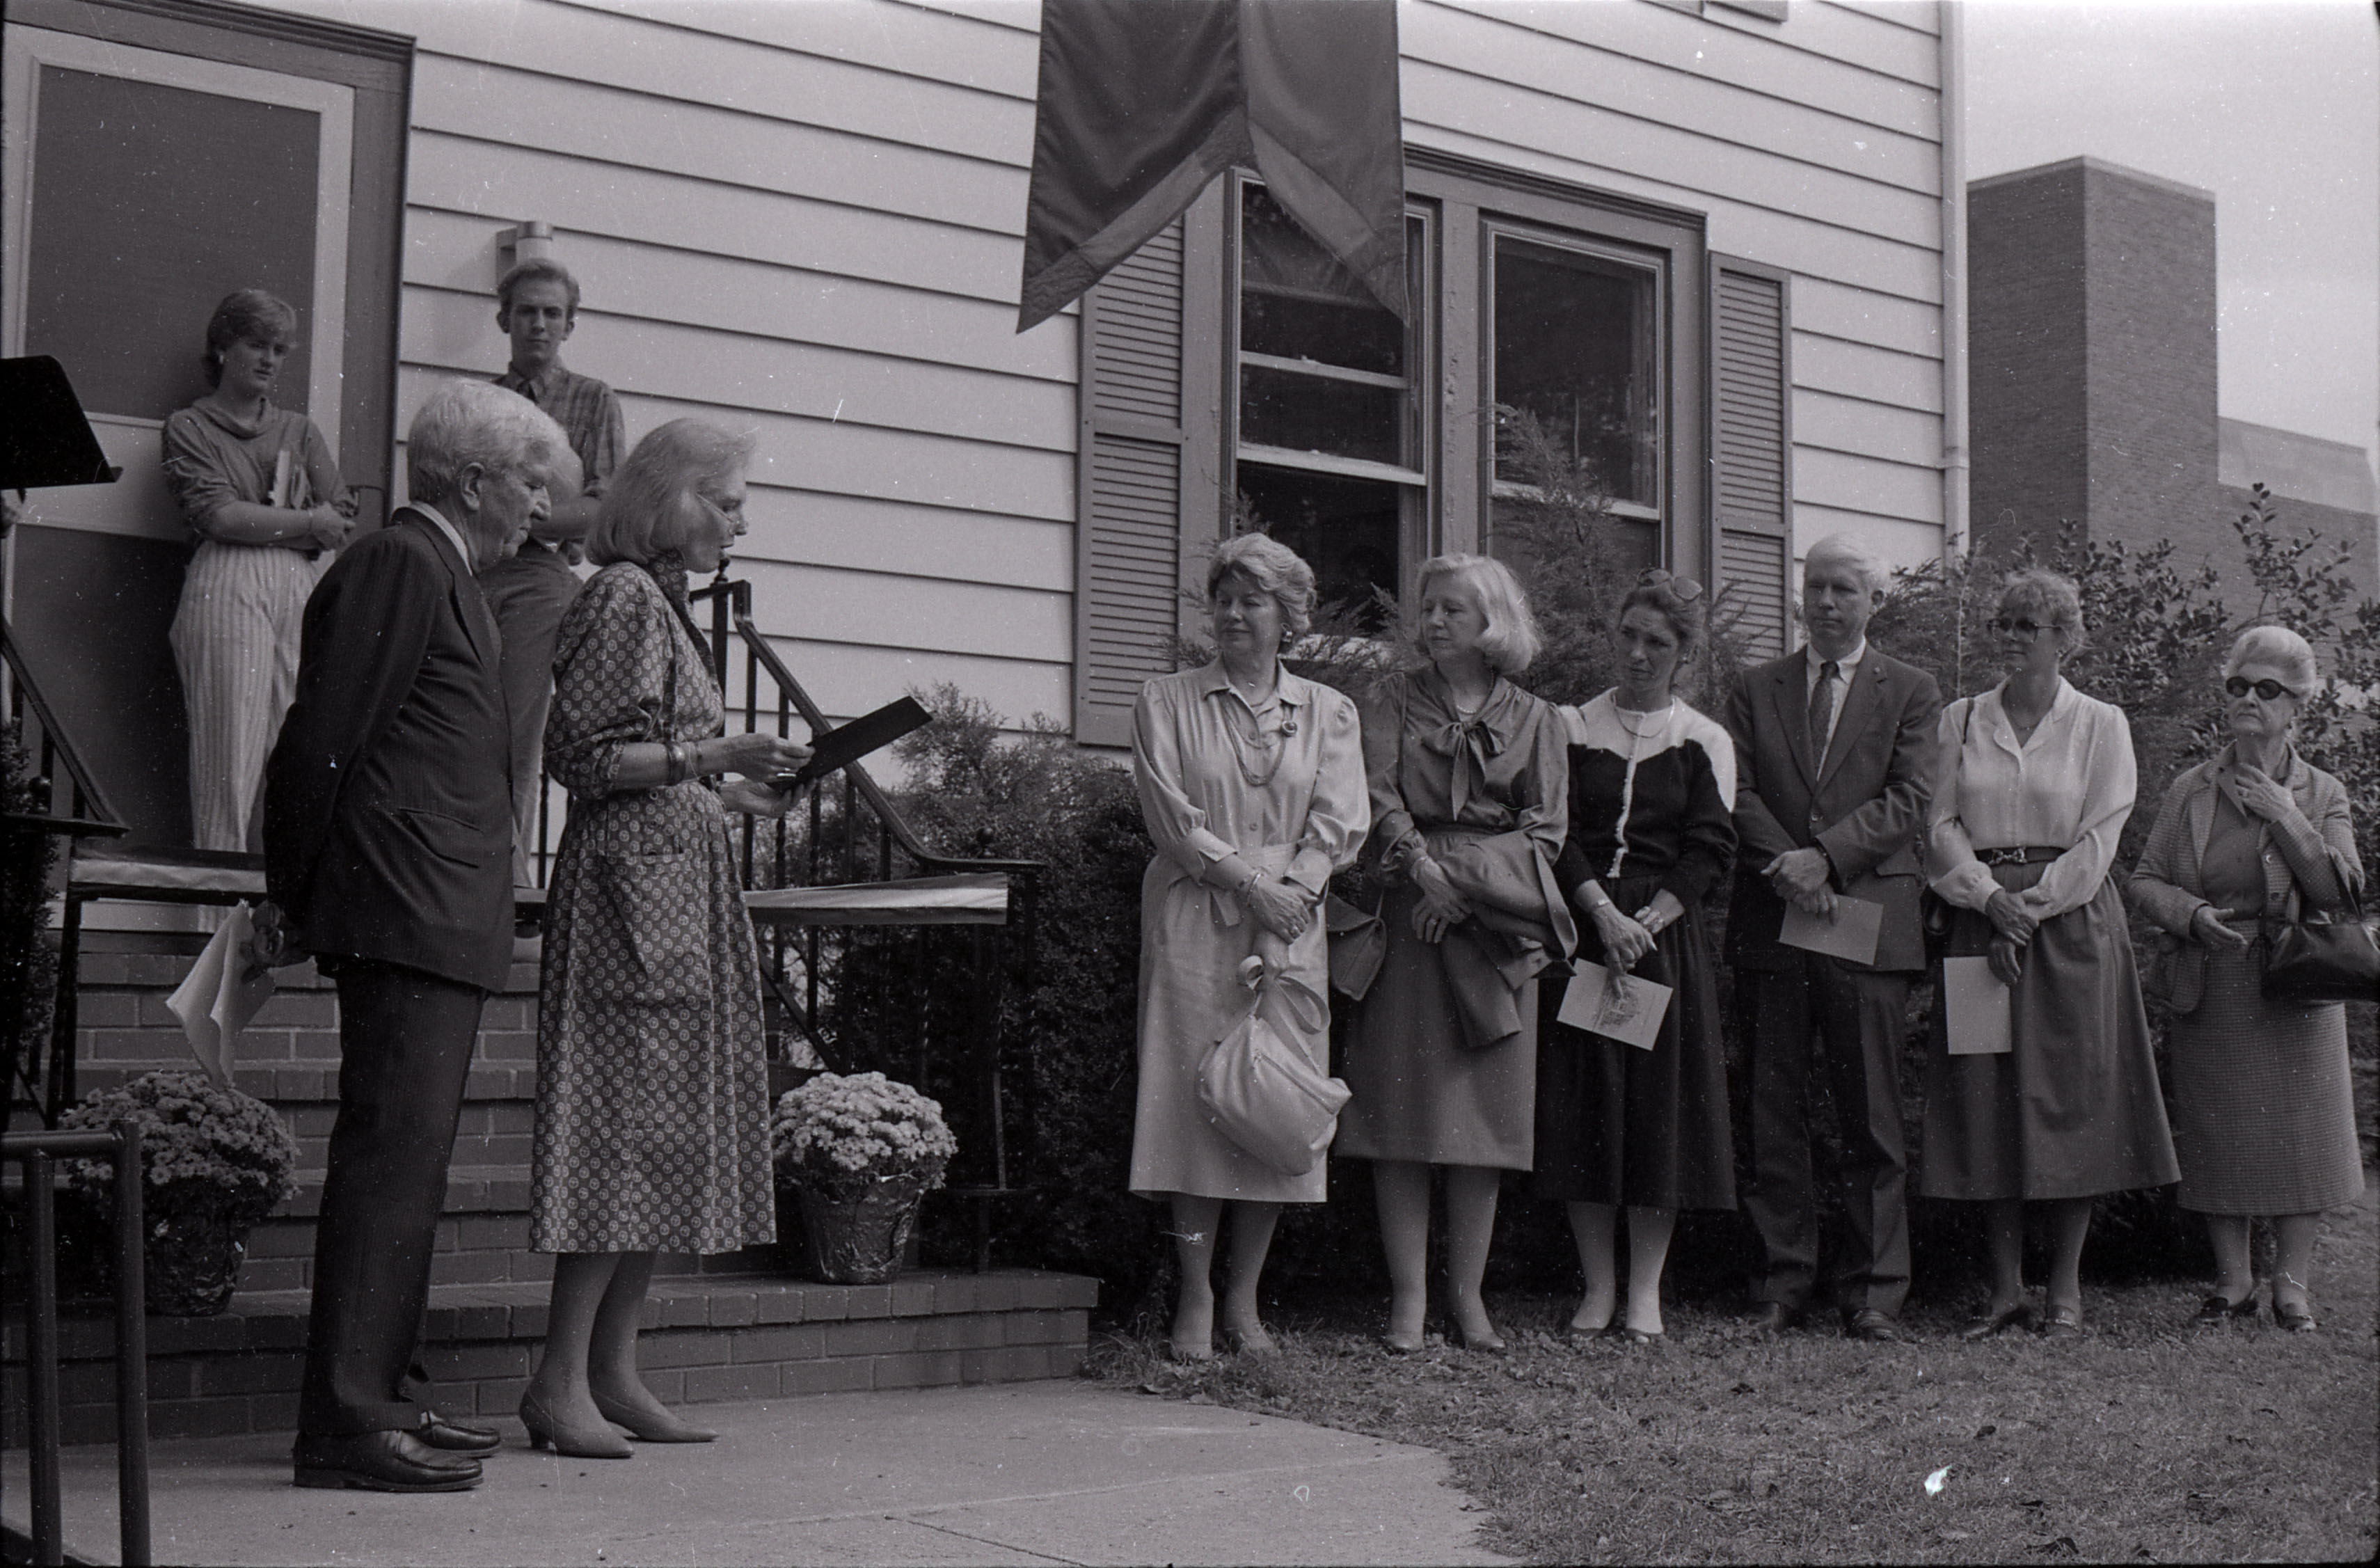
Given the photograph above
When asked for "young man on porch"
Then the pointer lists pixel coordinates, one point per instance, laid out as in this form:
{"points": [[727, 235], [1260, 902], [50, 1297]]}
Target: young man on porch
{"points": [[1834, 746], [537, 306], [387, 827]]}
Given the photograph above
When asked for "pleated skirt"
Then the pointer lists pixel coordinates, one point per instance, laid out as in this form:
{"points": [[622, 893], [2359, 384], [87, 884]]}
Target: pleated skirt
{"points": [[2074, 1110], [1622, 1125]]}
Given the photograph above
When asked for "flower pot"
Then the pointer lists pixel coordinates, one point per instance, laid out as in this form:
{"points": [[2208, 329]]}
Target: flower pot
{"points": [[193, 1243], [859, 1241]]}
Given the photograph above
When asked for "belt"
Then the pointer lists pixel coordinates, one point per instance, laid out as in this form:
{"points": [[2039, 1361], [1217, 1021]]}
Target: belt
{"points": [[2029, 856]]}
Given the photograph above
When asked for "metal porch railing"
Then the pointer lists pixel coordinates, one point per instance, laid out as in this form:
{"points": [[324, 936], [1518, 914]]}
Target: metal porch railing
{"points": [[38, 1153]]}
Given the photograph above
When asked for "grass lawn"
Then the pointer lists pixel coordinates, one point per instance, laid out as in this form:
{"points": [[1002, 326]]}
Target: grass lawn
{"points": [[2146, 1440]]}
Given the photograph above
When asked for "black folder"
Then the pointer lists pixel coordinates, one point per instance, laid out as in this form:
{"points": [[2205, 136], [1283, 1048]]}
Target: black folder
{"points": [[44, 440], [848, 743]]}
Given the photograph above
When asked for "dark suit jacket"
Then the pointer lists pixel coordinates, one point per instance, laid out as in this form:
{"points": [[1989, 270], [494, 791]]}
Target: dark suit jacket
{"points": [[1865, 811], [388, 799]]}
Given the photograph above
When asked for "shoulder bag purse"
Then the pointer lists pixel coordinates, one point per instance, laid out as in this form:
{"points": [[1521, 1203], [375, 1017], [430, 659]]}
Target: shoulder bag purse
{"points": [[1261, 1092]]}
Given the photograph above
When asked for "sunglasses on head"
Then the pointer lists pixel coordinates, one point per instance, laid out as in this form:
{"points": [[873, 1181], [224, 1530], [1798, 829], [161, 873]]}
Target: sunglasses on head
{"points": [[2025, 624], [1686, 590], [2268, 690]]}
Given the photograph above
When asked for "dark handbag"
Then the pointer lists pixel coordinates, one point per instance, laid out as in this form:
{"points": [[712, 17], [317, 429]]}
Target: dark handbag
{"points": [[2319, 959]]}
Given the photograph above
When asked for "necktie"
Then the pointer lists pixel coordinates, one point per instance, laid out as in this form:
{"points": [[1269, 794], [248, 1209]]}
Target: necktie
{"points": [[1822, 709]]}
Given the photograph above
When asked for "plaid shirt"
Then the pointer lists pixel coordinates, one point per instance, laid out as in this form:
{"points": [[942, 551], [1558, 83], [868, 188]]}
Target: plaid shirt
{"points": [[587, 412]]}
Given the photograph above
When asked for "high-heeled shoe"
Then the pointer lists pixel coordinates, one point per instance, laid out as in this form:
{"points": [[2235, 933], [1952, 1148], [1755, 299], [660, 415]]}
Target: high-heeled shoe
{"points": [[2214, 1312], [570, 1442], [1987, 1324], [645, 1429], [1249, 1342], [2296, 1316]]}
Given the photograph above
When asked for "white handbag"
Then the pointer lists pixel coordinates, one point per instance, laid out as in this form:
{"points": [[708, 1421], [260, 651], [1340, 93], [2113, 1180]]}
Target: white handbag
{"points": [[1261, 1091]]}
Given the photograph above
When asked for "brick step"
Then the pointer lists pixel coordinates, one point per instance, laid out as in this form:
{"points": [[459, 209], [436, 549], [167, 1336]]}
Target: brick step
{"points": [[714, 1337]]}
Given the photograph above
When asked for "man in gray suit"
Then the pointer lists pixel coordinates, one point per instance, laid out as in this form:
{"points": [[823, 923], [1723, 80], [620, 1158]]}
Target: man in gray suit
{"points": [[1833, 747]]}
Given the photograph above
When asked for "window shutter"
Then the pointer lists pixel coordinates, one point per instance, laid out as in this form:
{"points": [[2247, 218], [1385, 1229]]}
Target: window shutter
{"points": [[1128, 527], [1751, 445]]}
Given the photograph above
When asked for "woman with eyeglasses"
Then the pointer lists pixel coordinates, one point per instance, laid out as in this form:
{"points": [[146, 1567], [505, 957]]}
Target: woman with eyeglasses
{"points": [[2261, 1090], [1652, 797], [1470, 789], [2033, 781], [652, 1079]]}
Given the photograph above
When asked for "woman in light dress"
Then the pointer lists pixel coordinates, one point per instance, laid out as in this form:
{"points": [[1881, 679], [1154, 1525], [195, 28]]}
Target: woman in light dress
{"points": [[2033, 781], [1252, 786], [2261, 1088], [1470, 787]]}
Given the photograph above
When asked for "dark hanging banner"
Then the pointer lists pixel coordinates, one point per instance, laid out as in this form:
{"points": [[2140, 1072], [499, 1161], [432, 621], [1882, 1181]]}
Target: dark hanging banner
{"points": [[1143, 102]]}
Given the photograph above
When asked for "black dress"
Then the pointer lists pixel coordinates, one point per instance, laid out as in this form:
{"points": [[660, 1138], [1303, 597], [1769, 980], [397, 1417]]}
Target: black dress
{"points": [[1651, 807]]}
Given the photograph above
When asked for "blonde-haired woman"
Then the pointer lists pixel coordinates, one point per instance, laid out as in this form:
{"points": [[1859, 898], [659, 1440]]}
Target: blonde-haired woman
{"points": [[652, 1081], [2261, 1088], [1470, 794], [2031, 784], [1252, 786]]}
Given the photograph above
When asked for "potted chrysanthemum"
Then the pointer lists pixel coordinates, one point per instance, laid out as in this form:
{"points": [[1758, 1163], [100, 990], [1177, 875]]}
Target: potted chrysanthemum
{"points": [[215, 1162], [860, 1153]]}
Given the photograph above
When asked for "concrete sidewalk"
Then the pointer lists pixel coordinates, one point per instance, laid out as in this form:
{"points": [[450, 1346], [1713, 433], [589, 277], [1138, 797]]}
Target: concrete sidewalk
{"points": [[1020, 1473]]}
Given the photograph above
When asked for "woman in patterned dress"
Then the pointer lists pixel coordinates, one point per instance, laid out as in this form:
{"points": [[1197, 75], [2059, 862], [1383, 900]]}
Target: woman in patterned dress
{"points": [[2260, 1089], [262, 495], [1252, 786], [2031, 784], [1652, 827], [1470, 787], [652, 1104]]}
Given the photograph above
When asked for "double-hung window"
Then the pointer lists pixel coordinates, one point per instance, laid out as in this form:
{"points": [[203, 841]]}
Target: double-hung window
{"points": [[1235, 376]]}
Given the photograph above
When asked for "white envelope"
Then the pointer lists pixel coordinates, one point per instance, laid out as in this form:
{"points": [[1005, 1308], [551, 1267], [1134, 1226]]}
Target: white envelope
{"points": [[1975, 1006], [1849, 933], [222, 993], [1631, 1015]]}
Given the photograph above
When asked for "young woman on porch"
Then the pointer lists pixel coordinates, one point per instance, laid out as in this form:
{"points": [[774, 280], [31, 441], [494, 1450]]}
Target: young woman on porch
{"points": [[1252, 786], [652, 1082]]}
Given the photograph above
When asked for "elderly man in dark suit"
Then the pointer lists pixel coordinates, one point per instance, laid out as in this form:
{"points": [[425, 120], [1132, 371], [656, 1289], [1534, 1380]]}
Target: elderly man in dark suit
{"points": [[388, 827], [1833, 743]]}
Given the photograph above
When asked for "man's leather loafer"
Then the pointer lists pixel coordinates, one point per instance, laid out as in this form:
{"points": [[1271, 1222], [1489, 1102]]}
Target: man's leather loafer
{"points": [[1773, 1317], [1868, 1323], [381, 1462], [457, 1437]]}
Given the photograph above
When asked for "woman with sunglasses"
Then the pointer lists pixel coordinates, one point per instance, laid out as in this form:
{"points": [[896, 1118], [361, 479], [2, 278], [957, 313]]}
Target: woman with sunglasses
{"points": [[2261, 1090], [2033, 781], [1652, 797]]}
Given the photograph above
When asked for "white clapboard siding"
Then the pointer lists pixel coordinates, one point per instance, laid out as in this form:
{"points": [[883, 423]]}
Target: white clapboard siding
{"points": [[499, 185], [995, 50], [692, 139], [1864, 484], [630, 280], [1900, 541], [918, 613], [1863, 427], [849, 680], [1826, 308], [1861, 370], [1687, 101]]}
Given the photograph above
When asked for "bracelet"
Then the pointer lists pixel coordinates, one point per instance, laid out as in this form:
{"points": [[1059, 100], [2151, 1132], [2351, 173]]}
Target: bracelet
{"points": [[675, 769]]}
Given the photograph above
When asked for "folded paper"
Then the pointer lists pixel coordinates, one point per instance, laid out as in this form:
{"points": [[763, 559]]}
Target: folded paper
{"points": [[1975, 1006], [1849, 933], [1627, 1008]]}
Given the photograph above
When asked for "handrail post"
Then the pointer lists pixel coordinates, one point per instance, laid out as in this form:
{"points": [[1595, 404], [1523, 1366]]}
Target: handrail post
{"points": [[131, 1357], [42, 1360]]}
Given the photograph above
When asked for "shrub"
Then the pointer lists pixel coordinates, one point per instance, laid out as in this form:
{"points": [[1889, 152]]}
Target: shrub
{"points": [[29, 961]]}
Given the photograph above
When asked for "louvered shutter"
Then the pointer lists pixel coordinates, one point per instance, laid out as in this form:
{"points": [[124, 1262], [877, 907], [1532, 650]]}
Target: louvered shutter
{"points": [[1752, 446], [1128, 530]]}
